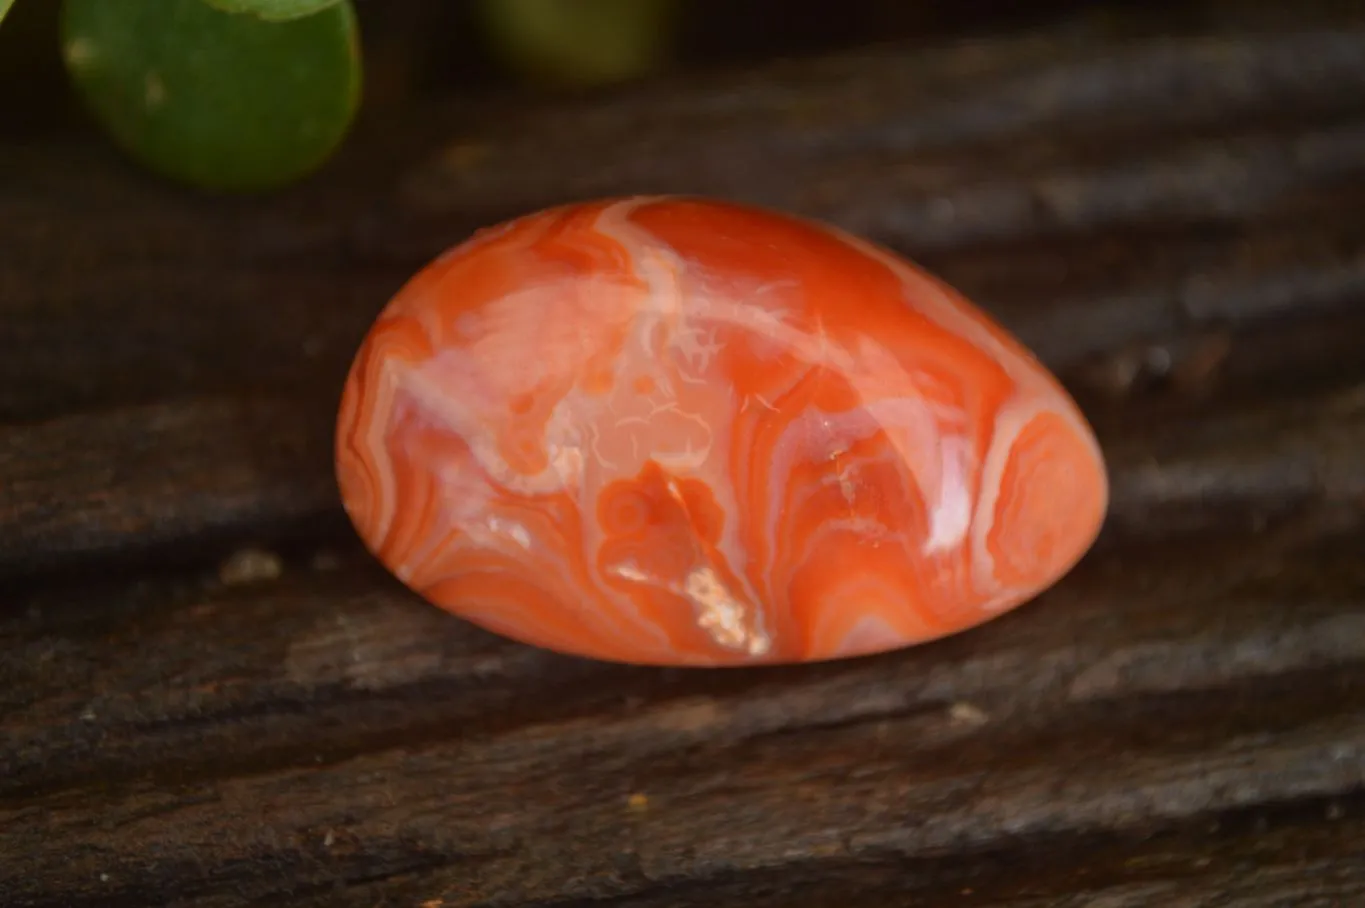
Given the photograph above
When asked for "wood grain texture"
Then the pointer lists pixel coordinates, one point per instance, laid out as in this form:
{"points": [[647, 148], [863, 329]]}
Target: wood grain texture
{"points": [[1181, 722]]}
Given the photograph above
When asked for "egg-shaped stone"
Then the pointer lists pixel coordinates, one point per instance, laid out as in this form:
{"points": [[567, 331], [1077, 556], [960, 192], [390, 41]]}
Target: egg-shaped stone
{"points": [[680, 431]]}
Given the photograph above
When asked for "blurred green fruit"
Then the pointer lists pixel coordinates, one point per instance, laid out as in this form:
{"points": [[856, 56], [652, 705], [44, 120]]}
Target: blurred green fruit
{"points": [[273, 10], [215, 99], [582, 42]]}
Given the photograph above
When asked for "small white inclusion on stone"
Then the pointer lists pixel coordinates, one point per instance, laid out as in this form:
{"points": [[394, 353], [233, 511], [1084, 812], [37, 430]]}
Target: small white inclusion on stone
{"points": [[721, 616]]}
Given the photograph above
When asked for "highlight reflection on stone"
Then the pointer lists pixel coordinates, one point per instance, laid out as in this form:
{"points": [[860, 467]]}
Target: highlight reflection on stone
{"points": [[689, 432]]}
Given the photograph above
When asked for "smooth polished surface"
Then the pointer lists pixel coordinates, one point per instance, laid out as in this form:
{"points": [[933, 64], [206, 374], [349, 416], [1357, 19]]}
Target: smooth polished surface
{"points": [[680, 431]]}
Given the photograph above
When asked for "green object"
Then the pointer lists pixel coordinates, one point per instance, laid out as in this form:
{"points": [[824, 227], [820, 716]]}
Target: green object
{"points": [[4, 8], [273, 10], [584, 42], [217, 100]]}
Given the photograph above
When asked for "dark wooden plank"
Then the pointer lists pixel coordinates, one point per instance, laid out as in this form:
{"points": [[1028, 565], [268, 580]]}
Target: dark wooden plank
{"points": [[1174, 225], [133, 482], [1137, 695], [976, 144]]}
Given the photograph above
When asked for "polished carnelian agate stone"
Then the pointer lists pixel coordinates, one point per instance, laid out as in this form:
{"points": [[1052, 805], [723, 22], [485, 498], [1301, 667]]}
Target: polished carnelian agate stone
{"points": [[687, 432]]}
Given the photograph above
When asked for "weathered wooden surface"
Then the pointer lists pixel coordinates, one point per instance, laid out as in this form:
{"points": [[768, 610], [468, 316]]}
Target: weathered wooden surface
{"points": [[1175, 225]]}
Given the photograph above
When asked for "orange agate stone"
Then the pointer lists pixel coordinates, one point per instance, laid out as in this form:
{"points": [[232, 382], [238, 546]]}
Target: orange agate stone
{"points": [[689, 432]]}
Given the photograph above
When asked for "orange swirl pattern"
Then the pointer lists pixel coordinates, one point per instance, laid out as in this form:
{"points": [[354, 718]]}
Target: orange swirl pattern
{"points": [[687, 432]]}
